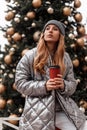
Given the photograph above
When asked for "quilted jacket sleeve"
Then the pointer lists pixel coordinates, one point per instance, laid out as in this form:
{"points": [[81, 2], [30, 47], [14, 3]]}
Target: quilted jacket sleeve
{"points": [[69, 80], [24, 80]]}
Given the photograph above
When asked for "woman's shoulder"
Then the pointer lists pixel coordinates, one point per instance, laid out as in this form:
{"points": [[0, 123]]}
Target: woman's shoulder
{"points": [[29, 55], [67, 57], [31, 52]]}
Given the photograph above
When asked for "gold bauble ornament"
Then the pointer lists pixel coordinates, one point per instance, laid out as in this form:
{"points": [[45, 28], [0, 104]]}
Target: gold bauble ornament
{"points": [[24, 51], [10, 31], [75, 62], [8, 59], [83, 103], [2, 88], [36, 35], [36, 3], [67, 11], [81, 30], [77, 3], [16, 37], [2, 103], [84, 68], [10, 15], [31, 15], [15, 122], [15, 46], [14, 86], [78, 17], [9, 39], [80, 42]]}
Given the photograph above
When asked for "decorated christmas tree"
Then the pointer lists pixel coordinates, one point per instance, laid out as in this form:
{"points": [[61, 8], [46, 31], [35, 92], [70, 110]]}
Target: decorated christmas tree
{"points": [[27, 18]]}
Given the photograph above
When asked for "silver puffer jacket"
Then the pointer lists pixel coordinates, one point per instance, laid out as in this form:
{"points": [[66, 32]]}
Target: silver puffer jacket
{"points": [[39, 109]]}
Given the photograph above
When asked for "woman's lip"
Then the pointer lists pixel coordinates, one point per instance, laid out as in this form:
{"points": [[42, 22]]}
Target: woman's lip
{"points": [[49, 35]]}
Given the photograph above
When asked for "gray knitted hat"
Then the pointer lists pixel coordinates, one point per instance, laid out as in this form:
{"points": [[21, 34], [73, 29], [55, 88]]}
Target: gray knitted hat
{"points": [[58, 24]]}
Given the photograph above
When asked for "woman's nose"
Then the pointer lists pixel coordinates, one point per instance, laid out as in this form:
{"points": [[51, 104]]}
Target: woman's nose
{"points": [[50, 29]]}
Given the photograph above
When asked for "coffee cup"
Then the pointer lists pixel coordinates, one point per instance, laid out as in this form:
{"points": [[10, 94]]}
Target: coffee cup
{"points": [[53, 71]]}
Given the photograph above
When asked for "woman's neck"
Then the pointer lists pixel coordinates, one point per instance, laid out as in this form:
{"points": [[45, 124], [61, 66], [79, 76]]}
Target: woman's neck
{"points": [[52, 48]]}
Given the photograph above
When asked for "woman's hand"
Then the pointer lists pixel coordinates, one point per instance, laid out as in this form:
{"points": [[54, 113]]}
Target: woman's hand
{"points": [[56, 83]]}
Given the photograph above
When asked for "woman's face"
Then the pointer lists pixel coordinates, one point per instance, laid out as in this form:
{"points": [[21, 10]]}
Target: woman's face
{"points": [[51, 34]]}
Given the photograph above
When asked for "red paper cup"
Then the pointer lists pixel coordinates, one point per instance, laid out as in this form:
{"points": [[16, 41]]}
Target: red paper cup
{"points": [[53, 71]]}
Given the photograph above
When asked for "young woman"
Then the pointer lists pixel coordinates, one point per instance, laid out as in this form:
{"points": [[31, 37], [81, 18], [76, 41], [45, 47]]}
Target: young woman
{"points": [[48, 105]]}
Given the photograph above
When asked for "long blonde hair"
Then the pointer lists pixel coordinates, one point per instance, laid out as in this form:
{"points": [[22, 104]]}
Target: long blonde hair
{"points": [[43, 54]]}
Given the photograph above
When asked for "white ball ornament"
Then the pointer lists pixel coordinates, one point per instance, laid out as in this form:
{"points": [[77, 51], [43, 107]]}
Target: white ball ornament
{"points": [[20, 110], [17, 20], [71, 36], [75, 32], [72, 45], [25, 18], [33, 25], [2, 67], [11, 76], [86, 58], [14, 70], [23, 35], [16, 3], [82, 109], [78, 81], [48, 2], [12, 51], [14, 11], [50, 10], [5, 74]]}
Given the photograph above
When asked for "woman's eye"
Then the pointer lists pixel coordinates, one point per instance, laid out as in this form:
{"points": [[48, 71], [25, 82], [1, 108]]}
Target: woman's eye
{"points": [[47, 28], [55, 28]]}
